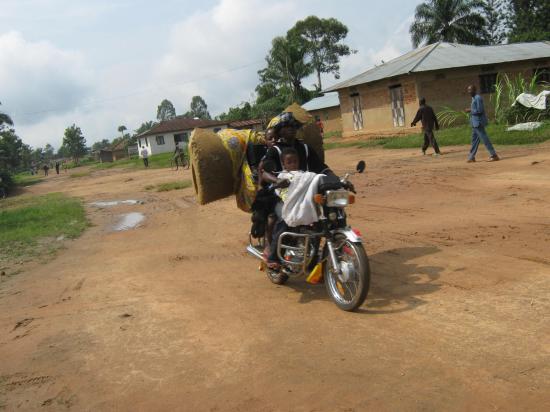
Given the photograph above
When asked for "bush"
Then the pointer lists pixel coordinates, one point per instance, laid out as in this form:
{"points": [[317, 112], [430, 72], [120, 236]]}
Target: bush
{"points": [[7, 182]]}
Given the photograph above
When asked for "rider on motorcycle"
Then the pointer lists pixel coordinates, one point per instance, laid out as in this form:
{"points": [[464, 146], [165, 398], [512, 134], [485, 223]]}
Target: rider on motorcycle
{"points": [[285, 127]]}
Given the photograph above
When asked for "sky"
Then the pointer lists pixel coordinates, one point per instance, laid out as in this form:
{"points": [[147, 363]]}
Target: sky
{"points": [[104, 63]]}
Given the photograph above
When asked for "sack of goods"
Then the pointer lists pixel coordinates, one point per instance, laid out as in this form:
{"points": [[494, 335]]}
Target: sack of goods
{"points": [[219, 167], [219, 164]]}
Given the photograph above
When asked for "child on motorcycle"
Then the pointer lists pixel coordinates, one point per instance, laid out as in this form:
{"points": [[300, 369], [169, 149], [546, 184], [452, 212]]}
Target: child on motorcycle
{"points": [[291, 164]]}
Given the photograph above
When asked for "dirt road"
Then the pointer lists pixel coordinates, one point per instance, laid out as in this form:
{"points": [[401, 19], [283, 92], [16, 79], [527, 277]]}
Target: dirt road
{"points": [[174, 316]]}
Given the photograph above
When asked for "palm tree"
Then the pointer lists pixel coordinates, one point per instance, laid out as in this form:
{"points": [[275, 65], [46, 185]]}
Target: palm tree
{"points": [[454, 21], [121, 129]]}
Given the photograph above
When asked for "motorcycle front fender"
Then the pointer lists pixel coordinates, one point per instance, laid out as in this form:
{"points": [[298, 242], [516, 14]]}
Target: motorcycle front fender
{"points": [[349, 233]]}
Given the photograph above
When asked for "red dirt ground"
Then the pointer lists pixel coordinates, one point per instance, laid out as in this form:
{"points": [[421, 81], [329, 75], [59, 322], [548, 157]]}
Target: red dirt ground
{"points": [[174, 315]]}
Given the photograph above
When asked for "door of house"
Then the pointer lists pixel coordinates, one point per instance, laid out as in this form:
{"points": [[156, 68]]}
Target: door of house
{"points": [[357, 113], [397, 107]]}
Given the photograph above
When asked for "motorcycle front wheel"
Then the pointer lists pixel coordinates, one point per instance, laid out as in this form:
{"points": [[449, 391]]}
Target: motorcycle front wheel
{"points": [[348, 287]]}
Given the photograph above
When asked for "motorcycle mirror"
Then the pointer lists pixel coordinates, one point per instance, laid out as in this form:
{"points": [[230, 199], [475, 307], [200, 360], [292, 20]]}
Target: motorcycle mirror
{"points": [[361, 166]]}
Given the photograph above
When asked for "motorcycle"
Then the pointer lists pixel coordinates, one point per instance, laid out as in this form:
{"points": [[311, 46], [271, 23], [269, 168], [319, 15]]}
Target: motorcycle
{"points": [[328, 250]]}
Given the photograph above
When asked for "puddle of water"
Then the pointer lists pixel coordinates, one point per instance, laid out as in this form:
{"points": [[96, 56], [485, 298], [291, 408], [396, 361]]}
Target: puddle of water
{"points": [[129, 221], [116, 202]]}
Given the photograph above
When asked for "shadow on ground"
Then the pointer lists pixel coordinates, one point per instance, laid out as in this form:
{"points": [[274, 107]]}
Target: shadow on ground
{"points": [[397, 284]]}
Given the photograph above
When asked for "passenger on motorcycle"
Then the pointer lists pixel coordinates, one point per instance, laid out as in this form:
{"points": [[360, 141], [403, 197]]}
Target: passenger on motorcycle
{"points": [[285, 127]]}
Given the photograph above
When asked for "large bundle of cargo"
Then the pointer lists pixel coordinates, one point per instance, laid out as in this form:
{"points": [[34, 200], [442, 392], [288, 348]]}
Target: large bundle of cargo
{"points": [[219, 165]]}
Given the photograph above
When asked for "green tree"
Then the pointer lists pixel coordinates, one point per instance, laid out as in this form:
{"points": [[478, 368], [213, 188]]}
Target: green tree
{"points": [[49, 152], [495, 17], [198, 109], [165, 110], [121, 129], [454, 21], [102, 144], [285, 70], [144, 127], [323, 43], [528, 20], [241, 112], [5, 120], [74, 142], [10, 151]]}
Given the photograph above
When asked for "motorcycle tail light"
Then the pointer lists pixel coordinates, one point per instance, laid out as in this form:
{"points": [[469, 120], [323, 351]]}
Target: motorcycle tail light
{"points": [[351, 198]]}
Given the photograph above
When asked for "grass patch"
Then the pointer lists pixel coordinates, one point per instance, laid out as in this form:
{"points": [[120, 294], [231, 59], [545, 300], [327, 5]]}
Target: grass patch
{"points": [[336, 133], [454, 136], [26, 179], [158, 161], [166, 187], [31, 224], [79, 174]]}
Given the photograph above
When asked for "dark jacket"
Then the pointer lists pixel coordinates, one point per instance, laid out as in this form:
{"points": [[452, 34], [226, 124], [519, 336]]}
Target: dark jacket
{"points": [[428, 118], [309, 161]]}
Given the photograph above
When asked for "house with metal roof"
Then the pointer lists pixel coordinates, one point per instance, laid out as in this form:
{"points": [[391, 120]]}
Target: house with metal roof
{"points": [[164, 136], [326, 109], [384, 99]]}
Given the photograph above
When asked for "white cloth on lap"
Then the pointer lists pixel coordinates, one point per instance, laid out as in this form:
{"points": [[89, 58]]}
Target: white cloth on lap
{"points": [[299, 207]]}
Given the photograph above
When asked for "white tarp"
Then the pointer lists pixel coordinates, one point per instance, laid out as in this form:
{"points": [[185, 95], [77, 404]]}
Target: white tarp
{"points": [[530, 100], [529, 126]]}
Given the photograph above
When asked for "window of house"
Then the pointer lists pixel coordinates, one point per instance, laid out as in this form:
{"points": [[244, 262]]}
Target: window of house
{"points": [[160, 140], [357, 111], [397, 106], [543, 74], [181, 137], [487, 83], [217, 129], [326, 114]]}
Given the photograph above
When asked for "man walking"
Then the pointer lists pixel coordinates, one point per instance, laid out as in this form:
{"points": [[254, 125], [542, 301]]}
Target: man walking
{"points": [[57, 165], [478, 120], [428, 118], [145, 156]]}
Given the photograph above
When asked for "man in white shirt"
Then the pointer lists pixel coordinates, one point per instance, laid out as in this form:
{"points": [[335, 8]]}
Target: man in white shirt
{"points": [[145, 156]]}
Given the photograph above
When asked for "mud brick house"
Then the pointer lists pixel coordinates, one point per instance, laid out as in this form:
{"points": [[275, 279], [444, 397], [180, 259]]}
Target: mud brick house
{"points": [[114, 153], [326, 108], [163, 136], [384, 99]]}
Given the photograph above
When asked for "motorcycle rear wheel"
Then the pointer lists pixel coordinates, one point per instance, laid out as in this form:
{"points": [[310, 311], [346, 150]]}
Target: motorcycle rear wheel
{"points": [[349, 295]]}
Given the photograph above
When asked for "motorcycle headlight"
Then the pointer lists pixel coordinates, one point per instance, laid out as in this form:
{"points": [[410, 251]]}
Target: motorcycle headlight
{"points": [[337, 198]]}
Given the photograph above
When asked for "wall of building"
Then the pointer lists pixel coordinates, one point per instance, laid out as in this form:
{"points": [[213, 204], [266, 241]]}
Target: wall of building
{"points": [[169, 142], [331, 118], [376, 106], [447, 88], [443, 88]]}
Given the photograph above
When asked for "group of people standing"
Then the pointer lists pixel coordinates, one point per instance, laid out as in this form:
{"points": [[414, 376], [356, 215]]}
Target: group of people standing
{"points": [[47, 166], [478, 121]]}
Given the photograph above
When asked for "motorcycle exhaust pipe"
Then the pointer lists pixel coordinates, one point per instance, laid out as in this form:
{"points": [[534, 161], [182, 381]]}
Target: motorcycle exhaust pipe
{"points": [[254, 252]]}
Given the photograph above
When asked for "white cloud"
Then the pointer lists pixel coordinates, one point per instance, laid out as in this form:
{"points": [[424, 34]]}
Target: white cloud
{"points": [[37, 76], [206, 49]]}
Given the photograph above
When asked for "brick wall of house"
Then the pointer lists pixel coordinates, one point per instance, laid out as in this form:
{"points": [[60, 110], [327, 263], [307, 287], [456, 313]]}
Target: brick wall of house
{"points": [[376, 106], [443, 88], [448, 88], [331, 118]]}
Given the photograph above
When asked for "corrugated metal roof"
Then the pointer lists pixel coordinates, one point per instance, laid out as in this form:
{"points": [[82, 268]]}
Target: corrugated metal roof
{"points": [[322, 102], [440, 56], [244, 123]]}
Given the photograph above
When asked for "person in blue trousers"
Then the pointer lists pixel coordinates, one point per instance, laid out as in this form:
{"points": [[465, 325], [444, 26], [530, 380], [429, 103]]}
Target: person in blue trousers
{"points": [[478, 120]]}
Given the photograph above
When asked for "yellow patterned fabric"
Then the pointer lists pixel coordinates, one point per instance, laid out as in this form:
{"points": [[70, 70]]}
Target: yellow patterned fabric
{"points": [[235, 142]]}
